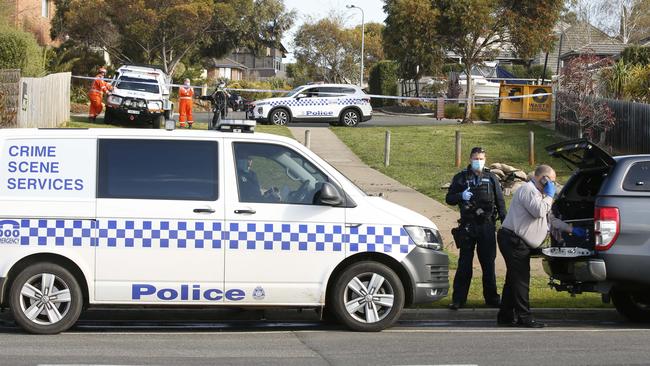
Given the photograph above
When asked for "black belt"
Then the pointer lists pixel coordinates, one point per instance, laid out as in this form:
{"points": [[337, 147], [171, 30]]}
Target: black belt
{"points": [[511, 233]]}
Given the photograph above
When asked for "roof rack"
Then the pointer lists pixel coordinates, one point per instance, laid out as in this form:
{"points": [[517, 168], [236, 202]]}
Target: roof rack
{"points": [[236, 125]]}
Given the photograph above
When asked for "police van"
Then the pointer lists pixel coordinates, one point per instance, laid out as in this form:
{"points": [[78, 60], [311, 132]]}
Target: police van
{"points": [[102, 217], [338, 104]]}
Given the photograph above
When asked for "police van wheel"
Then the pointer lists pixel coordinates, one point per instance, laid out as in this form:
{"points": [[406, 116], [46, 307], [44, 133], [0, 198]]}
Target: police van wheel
{"points": [[45, 298], [350, 118], [280, 117], [368, 297]]}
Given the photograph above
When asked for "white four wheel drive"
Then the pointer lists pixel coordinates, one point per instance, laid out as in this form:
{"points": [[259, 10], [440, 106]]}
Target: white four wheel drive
{"points": [[338, 104], [117, 217], [140, 95]]}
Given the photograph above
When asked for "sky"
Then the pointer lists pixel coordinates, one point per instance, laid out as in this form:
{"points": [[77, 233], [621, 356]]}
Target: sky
{"points": [[318, 9]]}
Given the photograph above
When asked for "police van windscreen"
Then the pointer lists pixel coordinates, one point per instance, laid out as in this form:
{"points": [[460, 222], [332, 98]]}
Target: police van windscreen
{"points": [[135, 84]]}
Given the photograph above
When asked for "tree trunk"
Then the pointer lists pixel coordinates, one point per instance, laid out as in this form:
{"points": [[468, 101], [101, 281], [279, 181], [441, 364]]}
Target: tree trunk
{"points": [[469, 95]]}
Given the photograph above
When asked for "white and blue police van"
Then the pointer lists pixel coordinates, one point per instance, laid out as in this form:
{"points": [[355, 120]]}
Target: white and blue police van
{"points": [[338, 104], [142, 218]]}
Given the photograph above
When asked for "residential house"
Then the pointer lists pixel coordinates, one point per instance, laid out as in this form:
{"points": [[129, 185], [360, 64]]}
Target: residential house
{"points": [[580, 38], [268, 64], [34, 16], [225, 68]]}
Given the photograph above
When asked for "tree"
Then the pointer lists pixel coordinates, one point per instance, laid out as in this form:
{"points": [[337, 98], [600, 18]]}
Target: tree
{"points": [[476, 29], [578, 98], [169, 31], [410, 37], [628, 20], [326, 50]]}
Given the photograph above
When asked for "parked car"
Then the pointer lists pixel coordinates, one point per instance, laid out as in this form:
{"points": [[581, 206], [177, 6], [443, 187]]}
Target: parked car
{"points": [[338, 104], [140, 95], [610, 197]]}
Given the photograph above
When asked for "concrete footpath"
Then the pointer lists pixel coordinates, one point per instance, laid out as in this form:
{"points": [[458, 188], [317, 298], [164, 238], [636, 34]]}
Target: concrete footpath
{"points": [[328, 146]]}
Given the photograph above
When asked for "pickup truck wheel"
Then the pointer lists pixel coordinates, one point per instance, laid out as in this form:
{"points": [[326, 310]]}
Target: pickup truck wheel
{"points": [[635, 306], [45, 298], [158, 121], [368, 297], [108, 116]]}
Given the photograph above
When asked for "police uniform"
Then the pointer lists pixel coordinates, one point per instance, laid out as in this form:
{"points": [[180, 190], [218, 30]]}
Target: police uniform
{"points": [[476, 230]]}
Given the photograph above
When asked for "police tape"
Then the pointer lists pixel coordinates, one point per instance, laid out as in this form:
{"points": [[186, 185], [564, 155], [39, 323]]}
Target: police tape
{"points": [[378, 96]]}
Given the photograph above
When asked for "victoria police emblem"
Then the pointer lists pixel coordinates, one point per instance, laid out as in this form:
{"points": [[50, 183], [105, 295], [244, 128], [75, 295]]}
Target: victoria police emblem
{"points": [[258, 293]]}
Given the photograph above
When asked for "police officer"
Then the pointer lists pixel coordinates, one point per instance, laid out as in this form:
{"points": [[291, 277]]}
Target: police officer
{"points": [[478, 194]]}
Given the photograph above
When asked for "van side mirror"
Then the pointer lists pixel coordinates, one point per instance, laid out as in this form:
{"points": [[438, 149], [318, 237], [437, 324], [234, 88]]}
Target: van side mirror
{"points": [[329, 195]]}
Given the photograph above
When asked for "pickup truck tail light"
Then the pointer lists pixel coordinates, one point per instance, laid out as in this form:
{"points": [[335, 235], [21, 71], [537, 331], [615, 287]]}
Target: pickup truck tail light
{"points": [[607, 226]]}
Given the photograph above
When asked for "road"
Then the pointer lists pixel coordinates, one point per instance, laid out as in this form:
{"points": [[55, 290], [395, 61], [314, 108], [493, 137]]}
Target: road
{"points": [[308, 342], [378, 120]]}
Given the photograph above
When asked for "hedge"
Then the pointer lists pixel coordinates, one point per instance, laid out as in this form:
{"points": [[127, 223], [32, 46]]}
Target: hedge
{"points": [[19, 50], [383, 81]]}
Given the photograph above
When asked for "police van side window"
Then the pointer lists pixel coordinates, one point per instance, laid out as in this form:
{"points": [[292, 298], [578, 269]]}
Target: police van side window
{"points": [[158, 169], [268, 173], [638, 177]]}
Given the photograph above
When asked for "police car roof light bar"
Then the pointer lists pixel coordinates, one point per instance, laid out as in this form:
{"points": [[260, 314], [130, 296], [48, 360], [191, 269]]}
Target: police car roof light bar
{"points": [[236, 125]]}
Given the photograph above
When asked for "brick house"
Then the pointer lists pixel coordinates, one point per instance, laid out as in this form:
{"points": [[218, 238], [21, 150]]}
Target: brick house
{"points": [[266, 65], [34, 16]]}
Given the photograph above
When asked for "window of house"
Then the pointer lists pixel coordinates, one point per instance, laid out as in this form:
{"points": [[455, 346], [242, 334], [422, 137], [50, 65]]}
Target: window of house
{"points": [[158, 169], [45, 8]]}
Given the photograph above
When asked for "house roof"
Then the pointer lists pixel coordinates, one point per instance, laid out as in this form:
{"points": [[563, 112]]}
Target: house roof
{"points": [[599, 49], [225, 62]]}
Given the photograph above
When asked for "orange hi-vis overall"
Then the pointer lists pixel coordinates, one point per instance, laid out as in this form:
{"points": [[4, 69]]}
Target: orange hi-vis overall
{"points": [[185, 95], [95, 94]]}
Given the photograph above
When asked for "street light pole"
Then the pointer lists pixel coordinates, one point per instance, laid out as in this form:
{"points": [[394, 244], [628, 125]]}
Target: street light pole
{"points": [[363, 34]]}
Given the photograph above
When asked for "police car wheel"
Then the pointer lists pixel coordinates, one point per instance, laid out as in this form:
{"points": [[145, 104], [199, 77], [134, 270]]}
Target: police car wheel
{"points": [[280, 117], [350, 118], [45, 298], [368, 297]]}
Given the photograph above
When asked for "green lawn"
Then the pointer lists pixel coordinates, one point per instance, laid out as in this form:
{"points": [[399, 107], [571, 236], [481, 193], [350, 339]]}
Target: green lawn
{"points": [[423, 158], [82, 122]]}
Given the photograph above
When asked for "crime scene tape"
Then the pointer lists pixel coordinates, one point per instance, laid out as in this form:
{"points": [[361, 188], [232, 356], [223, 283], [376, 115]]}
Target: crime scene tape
{"points": [[423, 99]]}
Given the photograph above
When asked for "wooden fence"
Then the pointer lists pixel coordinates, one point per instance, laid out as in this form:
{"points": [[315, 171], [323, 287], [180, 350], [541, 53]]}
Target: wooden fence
{"points": [[630, 135], [44, 102], [9, 102]]}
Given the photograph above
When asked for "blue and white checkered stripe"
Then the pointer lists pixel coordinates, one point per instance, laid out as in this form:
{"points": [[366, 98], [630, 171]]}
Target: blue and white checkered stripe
{"points": [[349, 101], [215, 235], [301, 102]]}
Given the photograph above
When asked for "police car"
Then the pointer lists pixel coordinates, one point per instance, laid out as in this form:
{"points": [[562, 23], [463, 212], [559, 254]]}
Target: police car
{"points": [[338, 104], [88, 218]]}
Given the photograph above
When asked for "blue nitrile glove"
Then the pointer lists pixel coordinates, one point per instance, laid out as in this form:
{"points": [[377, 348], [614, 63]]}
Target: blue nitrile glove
{"points": [[549, 189], [579, 232], [467, 195]]}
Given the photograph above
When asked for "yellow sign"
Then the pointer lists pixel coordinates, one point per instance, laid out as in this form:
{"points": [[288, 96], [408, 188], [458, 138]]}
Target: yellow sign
{"points": [[535, 108]]}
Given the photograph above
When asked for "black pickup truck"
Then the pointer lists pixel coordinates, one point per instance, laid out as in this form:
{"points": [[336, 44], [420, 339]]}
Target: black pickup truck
{"points": [[610, 198]]}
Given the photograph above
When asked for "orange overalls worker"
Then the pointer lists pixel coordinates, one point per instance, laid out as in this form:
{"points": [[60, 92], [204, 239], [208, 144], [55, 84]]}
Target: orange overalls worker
{"points": [[95, 94], [185, 94]]}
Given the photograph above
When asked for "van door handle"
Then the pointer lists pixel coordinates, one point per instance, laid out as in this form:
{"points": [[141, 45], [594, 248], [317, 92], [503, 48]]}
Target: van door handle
{"points": [[245, 211], [204, 210]]}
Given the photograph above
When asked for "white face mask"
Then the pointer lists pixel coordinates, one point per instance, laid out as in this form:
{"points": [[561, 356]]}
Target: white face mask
{"points": [[187, 84], [477, 165]]}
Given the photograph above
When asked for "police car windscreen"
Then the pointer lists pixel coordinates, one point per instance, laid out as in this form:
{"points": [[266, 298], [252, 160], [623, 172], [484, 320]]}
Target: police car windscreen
{"points": [[294, 91], [142, 85]]}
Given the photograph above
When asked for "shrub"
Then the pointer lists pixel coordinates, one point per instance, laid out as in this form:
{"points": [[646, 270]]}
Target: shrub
{"points": [[19, 50], [453, 111], [383, 81], [486, 112], [635, 55], [637, 87]]}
